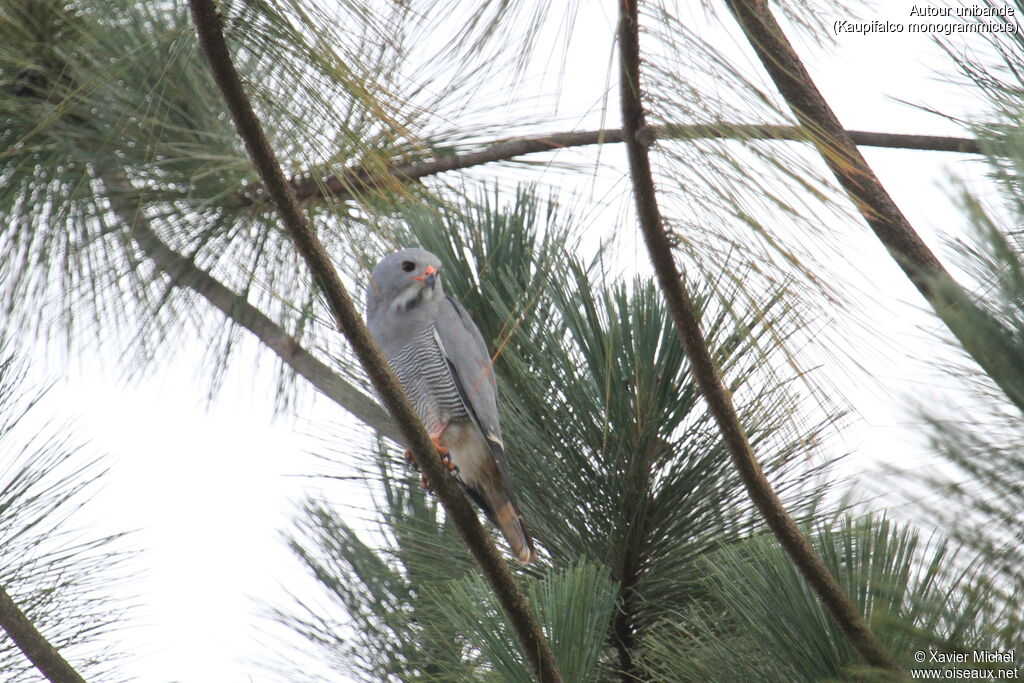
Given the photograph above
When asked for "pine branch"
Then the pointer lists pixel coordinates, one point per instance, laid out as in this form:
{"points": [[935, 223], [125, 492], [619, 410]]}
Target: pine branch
{"points": [[707, 374], [531, 638], [358, 180], [624, 630], [183, 272], [33, 644], [981, 335]]}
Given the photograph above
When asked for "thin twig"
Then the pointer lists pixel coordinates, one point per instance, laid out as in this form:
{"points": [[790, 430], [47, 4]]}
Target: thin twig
{"points": [[705, 371], [981, 335], [531, 638], [33, 644], [358, 180]]}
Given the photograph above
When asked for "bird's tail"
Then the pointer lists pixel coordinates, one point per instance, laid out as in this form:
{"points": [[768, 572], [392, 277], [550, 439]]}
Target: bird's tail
{"points": [[510, 522], [502, 510]]}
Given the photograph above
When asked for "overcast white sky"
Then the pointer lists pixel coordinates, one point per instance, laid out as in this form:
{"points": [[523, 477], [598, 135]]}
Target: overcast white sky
{"points": [[210, 487]]}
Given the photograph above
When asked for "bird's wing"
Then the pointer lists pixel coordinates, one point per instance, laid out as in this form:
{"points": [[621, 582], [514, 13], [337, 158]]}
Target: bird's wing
{"points": [[466, 353]]}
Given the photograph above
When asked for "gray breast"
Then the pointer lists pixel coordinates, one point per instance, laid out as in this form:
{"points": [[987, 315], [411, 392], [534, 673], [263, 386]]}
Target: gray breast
{"points": [[423, 372]]}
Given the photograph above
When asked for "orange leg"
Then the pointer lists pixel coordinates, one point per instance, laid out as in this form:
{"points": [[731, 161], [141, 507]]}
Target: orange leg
{"points": [[435, 438], [443, 452]]}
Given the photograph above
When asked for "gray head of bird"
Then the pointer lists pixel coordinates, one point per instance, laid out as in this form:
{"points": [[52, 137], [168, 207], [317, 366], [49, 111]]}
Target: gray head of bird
{"points": [[405, 282]]}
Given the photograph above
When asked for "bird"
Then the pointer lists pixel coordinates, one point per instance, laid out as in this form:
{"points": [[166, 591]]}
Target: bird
{"points": [[441, 361]]}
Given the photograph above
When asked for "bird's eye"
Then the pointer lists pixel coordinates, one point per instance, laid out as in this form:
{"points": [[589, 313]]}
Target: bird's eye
{"points": [[408, 266]]}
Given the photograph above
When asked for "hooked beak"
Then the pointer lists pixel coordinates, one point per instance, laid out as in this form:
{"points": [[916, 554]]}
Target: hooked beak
{"points": [[429, 276]]}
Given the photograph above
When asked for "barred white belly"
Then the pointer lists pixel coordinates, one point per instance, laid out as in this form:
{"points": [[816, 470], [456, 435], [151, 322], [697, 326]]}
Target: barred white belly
{"points": [[423, 372]]}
